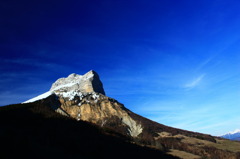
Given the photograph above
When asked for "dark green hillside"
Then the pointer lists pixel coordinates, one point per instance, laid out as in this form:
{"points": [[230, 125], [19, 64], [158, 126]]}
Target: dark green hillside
{"points": [[35, 131]]}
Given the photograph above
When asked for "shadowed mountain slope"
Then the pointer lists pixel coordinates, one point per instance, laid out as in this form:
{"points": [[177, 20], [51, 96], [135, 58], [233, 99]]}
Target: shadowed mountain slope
{"points": [[34, 130]]}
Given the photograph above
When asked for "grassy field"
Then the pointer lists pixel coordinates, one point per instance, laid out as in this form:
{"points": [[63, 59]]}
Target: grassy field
{"points": [[187, 147], [183, 154], [223, 144], [233, 146]]}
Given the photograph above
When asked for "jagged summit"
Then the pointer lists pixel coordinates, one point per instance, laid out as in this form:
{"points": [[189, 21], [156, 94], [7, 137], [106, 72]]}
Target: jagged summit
{"points": [[89, 82], [82, 97], [74, 85]]}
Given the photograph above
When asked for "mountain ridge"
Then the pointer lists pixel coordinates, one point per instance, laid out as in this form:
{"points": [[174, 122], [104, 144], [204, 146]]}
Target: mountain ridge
{"points": [[233, 135], [81, 102]]}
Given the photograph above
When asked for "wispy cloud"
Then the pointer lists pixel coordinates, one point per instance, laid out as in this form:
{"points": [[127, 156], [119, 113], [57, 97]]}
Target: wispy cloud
{"points": [[204, 63], [194, 82]]}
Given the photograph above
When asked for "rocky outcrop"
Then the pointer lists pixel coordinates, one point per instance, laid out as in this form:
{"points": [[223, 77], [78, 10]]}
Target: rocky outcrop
{"points": [[100, 110], [89, 82], [82, 97]]}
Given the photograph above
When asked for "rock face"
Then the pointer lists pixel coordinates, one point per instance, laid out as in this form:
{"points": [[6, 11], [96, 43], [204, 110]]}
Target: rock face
{"points": [[82, 97], [90, 82], [101, 110]]}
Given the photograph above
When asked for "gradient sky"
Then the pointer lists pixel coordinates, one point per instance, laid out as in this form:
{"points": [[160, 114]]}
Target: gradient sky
{"points": [[174, 61]]}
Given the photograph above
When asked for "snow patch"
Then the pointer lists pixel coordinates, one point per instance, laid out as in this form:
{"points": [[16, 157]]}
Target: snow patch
{"points": [[235, 131], [69, 87], [95, 96], [232, 135], [66, 82], [70, 94], [231, 132], [63, 86], [42, 96]]}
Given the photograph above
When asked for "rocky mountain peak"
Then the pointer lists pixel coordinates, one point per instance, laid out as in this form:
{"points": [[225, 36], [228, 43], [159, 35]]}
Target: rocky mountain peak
{"points": [[82, 97], [73, 75], [87, 83]]}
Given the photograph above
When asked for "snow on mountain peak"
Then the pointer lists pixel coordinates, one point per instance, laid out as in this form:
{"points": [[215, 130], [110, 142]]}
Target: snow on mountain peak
{"points": [[235, 131], [66, 82], [73, 85], [232, 132], [233, 135], [42, 96]]}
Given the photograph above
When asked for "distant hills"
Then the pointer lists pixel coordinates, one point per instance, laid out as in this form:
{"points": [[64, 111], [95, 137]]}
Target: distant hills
{"points": [[75, 119]]}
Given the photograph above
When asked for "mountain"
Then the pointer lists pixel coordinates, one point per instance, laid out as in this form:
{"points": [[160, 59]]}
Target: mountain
{"points": [[34, 130], [73, 85], [234, 135], [81, 99]]}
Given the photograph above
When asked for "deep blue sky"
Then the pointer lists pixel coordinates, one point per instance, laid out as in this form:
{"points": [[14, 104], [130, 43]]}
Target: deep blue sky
{"points": [[174, 61]]}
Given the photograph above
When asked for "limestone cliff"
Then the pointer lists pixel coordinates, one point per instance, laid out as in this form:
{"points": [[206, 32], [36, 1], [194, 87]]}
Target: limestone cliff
{"points": [[100, 110], [89, 82], [82, 97]]}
